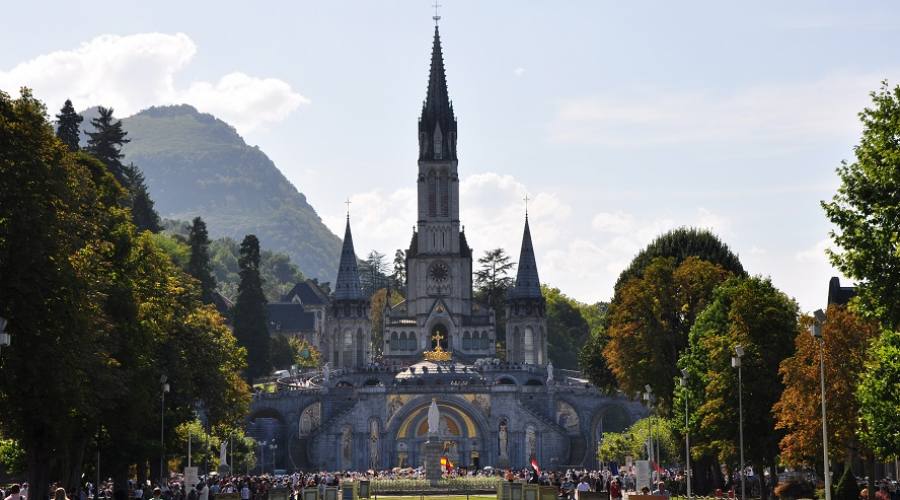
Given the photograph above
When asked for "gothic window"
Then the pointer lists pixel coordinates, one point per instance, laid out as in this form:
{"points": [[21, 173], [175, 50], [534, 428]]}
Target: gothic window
{"points": [[336, 352], [438, 143], [432, 194], [413, 341], [348, 349], [445, 195], [360, 347], [467, 340], [484, 340], [529, 345], [394, 341]]}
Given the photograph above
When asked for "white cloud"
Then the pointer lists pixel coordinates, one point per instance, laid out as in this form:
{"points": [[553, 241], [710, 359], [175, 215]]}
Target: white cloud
{"points": [[132, 72], [778, 113], [519, 71]]}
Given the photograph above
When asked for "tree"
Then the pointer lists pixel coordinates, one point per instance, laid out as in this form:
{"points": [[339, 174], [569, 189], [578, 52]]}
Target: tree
{"points": [[142, 211], [106, 141], [376, 312], [373, 273], [846, 338], [492, 280], [680, 244], [878, 397], [250, 316], [570, 330], [399, 276], [649, 320], [633, 441], [866, 211], [68, 126], [752, 313], [592, 363], [199, 266]]}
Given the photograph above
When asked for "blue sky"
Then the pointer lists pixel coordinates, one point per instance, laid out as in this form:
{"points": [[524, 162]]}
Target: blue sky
{"points": [[619, 119]]}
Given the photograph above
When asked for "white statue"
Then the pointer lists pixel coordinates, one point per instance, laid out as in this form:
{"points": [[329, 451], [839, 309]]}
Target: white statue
{"points": [[434, 418], [223, 455], [549, 372], [326, 372], [504, 438]]}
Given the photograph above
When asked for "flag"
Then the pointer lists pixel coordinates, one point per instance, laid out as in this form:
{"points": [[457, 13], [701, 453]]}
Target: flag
{"points": [[446, 463], [534, 465]]}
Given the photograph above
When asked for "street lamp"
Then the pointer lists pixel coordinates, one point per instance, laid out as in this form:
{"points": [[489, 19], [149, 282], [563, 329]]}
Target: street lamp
{"points": [[5, 338], [272, 447], [816, 331], [687, 434], [736, 363], [648, 397], [163, 382]]}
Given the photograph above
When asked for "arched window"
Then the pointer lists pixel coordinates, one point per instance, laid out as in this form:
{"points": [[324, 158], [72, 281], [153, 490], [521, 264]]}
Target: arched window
{"points": [[348, 349], [395, 342], [413, 344], [360, 347], [467, 340], [528, 354], [432, 194], [438, 143], [445, 194], [336, 350]]}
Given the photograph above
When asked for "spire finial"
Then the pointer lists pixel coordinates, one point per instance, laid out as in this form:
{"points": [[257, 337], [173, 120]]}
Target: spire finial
{"points": [[437, 15], [348, 208], [526, 205]]}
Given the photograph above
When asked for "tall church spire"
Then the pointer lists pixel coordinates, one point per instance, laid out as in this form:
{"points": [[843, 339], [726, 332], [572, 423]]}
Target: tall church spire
{"points": [[528, 284], [437, 125], [348, 287]]}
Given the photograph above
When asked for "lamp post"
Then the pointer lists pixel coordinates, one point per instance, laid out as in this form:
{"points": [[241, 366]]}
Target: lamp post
{"points": [[736, 363], [816, 331], [262, 457], [5, 338], [648, 397], [163, 382], [272, 447], [687, 434]]}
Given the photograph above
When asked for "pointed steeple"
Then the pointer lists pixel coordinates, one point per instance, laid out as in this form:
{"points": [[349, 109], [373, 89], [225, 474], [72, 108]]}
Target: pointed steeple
{"points": [[437, 125], [347, 286], [528, 284]]}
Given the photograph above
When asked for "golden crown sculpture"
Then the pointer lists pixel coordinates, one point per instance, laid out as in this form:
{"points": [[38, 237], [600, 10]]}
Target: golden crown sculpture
{"points": [[438, 354]]}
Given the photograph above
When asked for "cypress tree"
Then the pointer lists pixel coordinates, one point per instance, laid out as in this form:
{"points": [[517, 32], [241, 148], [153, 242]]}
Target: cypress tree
{"points": [[142, 212], [199, 266], [250, 317], [106, 142], [67, 126]]}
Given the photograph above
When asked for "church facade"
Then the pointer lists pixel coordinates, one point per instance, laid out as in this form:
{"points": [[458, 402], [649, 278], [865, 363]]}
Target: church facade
{"points": [[439, 345]]}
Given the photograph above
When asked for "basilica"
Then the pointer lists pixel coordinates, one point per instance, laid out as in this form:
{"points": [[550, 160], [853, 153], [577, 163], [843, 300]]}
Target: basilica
{"points": [[439, 344]]}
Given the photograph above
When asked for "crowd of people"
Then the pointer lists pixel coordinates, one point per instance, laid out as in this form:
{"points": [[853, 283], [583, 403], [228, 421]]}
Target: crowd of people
{"points": [[569, 483]]}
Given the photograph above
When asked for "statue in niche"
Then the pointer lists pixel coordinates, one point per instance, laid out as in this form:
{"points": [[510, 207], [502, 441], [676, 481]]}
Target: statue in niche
{"points": [[504, 439], [347, 447], [550, 373], [434, 418], [530, 442], [373, 444], [326, 372]]}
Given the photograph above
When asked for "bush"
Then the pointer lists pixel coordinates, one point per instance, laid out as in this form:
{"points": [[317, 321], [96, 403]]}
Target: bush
{"points": [[795, 489]]}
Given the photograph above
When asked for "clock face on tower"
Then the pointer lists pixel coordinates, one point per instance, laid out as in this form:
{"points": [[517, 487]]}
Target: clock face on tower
{"points": [[439, 273]]}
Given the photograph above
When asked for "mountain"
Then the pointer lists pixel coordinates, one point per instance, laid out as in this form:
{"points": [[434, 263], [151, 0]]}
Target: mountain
{"points": [[196, 164]]}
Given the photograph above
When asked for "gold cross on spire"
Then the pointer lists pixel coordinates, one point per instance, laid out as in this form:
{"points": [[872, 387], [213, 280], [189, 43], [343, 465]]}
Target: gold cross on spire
{"points": [[348, 208], [526, 204], [437, 15]]}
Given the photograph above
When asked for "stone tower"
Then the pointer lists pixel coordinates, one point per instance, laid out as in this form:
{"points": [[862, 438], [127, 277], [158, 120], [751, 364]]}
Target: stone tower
{"points": [[350, 339], [526, 321]]}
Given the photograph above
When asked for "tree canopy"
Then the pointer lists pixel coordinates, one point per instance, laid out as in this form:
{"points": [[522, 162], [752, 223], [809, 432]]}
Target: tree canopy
{"points": [[68, 126]]}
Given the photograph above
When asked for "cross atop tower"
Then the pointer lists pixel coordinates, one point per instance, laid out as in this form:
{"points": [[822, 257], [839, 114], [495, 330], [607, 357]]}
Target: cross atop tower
{"points": [[437, 15], [526, 204], [348, 208]]}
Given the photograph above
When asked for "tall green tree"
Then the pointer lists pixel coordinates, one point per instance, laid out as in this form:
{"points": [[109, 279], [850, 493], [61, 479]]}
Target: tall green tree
{"points": [[866, 211], [373, 273], [199, 265], [878, 396], [752, 313], [106, 141], [399, 276], [569, 326], [492, 280], [143, 212], [649, 320], [68, 126], [250, 316]]}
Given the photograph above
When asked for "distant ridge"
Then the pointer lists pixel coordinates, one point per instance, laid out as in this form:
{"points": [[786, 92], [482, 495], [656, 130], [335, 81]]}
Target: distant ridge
{"points": [[196, 164]]}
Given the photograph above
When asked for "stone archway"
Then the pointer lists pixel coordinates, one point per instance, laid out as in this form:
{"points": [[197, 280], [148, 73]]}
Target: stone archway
{"points": [[462, 431]]}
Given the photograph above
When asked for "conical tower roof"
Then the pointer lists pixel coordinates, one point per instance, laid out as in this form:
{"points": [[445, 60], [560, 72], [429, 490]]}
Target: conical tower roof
{"points": [[528, 284], [437, 110], [348, 287]]}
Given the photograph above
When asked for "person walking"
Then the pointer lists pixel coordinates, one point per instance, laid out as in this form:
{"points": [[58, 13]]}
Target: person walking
{"points": [[14, 493]]}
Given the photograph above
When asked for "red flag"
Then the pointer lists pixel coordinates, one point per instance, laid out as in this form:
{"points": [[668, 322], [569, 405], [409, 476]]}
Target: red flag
{"points": [[534, 465]]}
